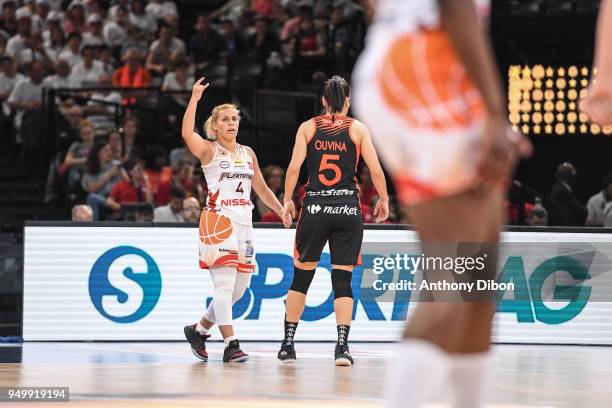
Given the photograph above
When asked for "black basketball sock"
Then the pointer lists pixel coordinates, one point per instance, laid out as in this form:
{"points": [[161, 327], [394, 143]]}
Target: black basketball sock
{"points": [[290, 328], [343, 333]]}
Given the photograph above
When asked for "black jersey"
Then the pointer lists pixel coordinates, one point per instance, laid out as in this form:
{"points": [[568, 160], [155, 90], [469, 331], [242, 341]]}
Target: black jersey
{"points": [[332, 158]]}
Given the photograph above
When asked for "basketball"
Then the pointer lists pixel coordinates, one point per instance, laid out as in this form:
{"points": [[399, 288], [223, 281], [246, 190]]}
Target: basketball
{"points": [[214, 228]]}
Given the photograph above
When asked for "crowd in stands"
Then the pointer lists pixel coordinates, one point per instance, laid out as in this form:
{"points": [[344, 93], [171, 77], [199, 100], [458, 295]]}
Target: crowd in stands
{"points": [[101, 47], [105, 158]]}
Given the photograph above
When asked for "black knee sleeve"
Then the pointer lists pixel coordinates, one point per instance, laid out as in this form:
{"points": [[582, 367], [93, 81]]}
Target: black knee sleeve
{"points": [[341, 283], [301, 280]]}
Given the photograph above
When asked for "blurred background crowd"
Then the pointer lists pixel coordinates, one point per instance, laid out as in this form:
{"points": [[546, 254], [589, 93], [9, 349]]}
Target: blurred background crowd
{"points": [[92, 93]]}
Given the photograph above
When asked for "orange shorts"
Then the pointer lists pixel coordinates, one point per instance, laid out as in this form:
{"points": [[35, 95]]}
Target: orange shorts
{"points": [[425, 114]]}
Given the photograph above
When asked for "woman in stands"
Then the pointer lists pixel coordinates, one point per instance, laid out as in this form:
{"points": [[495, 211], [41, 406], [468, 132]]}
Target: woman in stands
{"points": [[332, 144], [226, 230], [428, 87]]}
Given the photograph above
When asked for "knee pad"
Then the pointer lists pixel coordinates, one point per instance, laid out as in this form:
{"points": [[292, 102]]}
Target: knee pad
{"points": [[341, 283], [301, 280]]}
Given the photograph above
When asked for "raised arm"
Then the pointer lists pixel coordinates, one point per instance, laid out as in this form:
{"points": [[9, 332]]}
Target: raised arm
{"points": [[197, 145], [381, 212]]}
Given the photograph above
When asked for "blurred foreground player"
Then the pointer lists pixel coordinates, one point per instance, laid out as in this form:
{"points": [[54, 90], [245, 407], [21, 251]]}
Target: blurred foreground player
{"points": [[598, 104], [428, 88], [226, 229], [331, 144]]}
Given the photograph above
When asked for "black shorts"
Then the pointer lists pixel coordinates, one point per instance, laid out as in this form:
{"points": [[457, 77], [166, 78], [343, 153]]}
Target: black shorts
{"points": [[340, 223]]}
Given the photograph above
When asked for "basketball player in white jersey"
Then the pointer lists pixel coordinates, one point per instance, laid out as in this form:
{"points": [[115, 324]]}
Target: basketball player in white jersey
{"points": [[226, 230], [598, 104], [427, 87]]}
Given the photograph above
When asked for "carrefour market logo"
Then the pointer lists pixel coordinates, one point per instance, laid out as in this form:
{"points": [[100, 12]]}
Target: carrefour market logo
{"points": [[124, 284]]}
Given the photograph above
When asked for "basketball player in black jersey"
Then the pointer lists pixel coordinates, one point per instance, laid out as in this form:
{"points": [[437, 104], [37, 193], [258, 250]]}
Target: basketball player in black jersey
{"points": [[332, 144]]}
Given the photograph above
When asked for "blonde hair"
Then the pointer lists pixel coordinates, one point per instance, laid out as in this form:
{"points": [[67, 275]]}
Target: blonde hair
{"points": [[211, 134]]}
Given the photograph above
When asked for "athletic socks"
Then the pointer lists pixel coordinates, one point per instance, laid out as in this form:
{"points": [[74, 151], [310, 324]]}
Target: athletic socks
{"points": [[343, 333], [201, 329], [290, 328], [227, 340], [416, 370], [468, 373]]}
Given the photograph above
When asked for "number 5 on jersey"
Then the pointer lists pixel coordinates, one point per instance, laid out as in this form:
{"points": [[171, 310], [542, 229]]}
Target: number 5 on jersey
{"points": [[327, 164]]}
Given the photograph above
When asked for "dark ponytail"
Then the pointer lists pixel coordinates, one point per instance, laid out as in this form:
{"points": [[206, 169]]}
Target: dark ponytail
{"points": [[335, 93]]}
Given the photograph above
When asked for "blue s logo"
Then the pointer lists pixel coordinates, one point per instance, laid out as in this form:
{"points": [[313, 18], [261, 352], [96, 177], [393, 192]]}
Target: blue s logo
{"points": [[124, 284]]}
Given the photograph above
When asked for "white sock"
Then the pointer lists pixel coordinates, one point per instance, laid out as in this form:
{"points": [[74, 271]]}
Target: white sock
{"points": [[201, 329], [417, 369], [228, 339], [468, 373]]}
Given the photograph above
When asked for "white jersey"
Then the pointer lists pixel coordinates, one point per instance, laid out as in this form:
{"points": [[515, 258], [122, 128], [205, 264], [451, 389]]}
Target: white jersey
{"points": [[229, 178], [410, 15]]}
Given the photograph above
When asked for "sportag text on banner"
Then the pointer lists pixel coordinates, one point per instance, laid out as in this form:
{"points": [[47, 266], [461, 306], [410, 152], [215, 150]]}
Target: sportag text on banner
{"points": [[143, 283]]}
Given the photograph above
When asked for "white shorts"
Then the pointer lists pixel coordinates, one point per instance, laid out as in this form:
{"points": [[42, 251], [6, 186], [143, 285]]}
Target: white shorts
{"points": [[425, 115], [225, 243]]}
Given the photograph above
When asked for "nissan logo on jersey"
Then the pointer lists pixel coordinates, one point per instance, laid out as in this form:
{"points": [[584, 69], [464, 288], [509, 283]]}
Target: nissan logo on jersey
{"points": [[231, 202], [224, 164]]}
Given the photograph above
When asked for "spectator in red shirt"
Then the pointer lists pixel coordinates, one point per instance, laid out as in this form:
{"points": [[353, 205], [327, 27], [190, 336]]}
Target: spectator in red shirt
{"points": [[366, 189], [132, 189], [299, 195], [156, 170], [181, 178], [199, 188], [267, 8]]}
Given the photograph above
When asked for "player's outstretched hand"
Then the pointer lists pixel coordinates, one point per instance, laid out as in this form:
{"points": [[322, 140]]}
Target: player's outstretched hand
{"points": [[381, 211], [198, 89], [598, 104], [288, 213], [501, 150]]}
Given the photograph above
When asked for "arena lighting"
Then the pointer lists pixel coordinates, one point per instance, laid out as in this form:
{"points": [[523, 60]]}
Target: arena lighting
{"points": [[546, 100]]}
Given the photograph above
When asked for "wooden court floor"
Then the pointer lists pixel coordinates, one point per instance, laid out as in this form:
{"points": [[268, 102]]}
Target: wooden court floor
{"points": [[167, 375]]}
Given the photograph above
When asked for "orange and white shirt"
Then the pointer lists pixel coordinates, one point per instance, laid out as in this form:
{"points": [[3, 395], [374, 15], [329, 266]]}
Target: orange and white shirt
{"points": [[229, 178], [410, 15]]}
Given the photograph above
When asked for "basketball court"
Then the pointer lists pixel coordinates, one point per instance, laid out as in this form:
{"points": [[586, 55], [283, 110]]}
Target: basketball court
{"points": [[166, 374]]}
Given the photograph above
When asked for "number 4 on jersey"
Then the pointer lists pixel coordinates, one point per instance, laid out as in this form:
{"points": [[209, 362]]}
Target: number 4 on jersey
{"points": [[239, 189]]}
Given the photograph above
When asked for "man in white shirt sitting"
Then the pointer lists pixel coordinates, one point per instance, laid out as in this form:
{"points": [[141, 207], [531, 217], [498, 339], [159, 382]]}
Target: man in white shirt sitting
{"points": [[18, 42], [8, 79], [27, 94], [599, 205], [94, 36], [86, 73], [72, 54], [61, 79], [173, 211]]}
